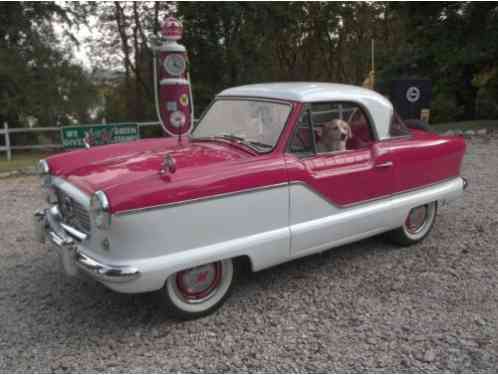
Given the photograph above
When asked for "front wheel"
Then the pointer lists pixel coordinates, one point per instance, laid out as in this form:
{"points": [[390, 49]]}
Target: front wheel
{"points": [[417, 225], [196, 292]]}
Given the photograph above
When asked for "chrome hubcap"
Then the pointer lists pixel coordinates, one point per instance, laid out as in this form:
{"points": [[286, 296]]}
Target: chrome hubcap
{"points": [[416, 219], [198, 283]]}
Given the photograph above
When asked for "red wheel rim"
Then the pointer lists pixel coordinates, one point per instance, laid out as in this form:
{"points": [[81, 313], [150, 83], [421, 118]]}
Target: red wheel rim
{"points": [[416, 219], [198, 283]]}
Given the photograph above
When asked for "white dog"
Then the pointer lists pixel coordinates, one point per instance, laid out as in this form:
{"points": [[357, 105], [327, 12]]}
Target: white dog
{"points": [[335, 133]]}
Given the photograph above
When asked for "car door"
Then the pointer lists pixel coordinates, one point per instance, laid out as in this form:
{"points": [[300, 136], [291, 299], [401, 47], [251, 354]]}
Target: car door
{"points": [[330, 190]]}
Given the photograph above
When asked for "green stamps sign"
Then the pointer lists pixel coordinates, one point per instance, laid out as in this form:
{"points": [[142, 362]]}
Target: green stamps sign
{"points": [[93, 135]]}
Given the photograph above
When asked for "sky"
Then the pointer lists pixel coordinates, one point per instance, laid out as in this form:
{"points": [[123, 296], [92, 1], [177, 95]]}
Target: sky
{"points": [[82, 52]]}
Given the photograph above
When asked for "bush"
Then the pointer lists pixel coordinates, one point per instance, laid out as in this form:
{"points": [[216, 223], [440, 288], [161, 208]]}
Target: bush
{"points": [[445, 108], [486, 104]]}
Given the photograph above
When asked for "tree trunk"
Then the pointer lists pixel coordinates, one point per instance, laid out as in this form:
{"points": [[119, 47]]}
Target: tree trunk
{"points": [[468, 95], [126, 60]]}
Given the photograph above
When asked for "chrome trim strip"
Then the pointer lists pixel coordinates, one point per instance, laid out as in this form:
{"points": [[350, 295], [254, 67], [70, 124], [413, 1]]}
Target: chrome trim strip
{"points": [[216, 196], [104, 272], [74, 232], [72, 191], [222, 195]]}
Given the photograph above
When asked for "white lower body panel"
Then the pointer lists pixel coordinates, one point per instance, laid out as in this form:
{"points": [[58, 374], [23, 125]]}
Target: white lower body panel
{"points": [[317, 225], [270, 227]]}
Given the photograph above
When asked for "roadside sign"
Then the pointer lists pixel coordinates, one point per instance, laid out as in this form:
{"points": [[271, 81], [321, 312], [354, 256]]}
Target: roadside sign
{"points": [[101, 134], [410, 96], [413, 94]]}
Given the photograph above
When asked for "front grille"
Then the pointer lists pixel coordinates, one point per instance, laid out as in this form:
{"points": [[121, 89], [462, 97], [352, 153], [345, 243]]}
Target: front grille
{"points": [[73, 212]]}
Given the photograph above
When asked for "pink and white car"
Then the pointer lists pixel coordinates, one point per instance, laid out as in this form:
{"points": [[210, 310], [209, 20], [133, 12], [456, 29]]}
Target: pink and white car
{"points": [[176, 215]]}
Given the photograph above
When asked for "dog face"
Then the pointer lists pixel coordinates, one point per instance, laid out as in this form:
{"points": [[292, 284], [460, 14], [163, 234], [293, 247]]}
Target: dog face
{"points": [[336, 131]]}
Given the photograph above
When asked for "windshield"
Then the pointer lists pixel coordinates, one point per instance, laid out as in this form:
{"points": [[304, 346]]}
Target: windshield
{"points": [[257, 124]]}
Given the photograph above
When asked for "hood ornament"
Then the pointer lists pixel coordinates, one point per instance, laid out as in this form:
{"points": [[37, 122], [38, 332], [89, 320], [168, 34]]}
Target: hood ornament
{"points": [[169, 165]]}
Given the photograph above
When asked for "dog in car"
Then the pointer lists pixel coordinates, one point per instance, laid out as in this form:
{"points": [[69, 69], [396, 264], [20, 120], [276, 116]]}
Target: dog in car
{"points": [[334, 136]]}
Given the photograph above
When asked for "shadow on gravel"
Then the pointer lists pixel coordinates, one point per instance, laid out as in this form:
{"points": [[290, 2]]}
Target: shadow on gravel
{"points": [[84, 301]]}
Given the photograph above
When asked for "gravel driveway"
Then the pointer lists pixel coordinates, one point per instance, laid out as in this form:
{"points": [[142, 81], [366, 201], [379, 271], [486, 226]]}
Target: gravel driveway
{"points": [[369, 306]]}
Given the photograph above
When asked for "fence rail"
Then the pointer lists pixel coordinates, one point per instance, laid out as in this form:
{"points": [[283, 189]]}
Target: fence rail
{"points": [[8, 148]]}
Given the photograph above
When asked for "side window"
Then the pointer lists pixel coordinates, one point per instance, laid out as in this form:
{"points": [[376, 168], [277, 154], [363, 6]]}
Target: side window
{"points": [[336, 127], [398, 128]]}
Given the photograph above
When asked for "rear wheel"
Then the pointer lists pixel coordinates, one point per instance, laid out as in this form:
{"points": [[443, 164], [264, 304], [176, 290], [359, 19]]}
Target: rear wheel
{"points": [[417, 225], [197, 291]]}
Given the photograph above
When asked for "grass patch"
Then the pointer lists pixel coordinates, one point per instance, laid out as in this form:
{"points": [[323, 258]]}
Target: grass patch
{"points": [[466, 125], [21, 160]]}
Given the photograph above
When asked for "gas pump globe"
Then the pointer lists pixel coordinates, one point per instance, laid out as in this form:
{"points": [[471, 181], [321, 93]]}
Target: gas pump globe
{"points": [[173, 93]]}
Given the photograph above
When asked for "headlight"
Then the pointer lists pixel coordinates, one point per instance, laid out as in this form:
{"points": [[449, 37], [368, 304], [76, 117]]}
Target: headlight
{"points": [[99, 210], [44, 173]]}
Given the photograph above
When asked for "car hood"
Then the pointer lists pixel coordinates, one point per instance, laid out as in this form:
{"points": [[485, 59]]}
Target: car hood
{"points": [[130, 173]]}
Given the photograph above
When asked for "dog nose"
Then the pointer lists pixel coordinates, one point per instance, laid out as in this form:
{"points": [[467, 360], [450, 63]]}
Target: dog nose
{"points": [[343, 136]]}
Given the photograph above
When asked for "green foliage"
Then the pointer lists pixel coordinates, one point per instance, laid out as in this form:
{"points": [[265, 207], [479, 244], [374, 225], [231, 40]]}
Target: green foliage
{"points": [[37, 78], [453, 44], [445, 108], [232, 43], [239, 43]]}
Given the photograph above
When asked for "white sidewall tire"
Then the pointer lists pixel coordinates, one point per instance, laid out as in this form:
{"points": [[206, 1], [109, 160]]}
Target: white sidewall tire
{"points": [[404, 237], [426, 227], [199, 308]]}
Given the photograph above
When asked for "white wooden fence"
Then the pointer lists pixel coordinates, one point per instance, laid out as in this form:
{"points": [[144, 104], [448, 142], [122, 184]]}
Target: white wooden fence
{"points": [[8, 148]]}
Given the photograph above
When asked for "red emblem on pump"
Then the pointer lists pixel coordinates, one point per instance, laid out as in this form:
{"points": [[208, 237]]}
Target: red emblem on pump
{"points": [[174, 102], [172, 29]]}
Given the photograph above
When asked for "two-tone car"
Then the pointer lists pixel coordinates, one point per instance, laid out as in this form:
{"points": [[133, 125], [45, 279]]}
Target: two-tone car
{"points": [[250, 183]]}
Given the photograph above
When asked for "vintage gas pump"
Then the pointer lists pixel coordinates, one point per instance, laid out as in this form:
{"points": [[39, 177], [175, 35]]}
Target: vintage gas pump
{"points": [[172, 90]]}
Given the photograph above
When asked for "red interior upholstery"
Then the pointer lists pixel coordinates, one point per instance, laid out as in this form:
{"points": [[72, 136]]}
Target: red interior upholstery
{"points": [[361, 135]]}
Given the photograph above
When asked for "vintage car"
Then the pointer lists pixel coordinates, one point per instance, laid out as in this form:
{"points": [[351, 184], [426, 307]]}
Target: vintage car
{"points": [[252, 182]]}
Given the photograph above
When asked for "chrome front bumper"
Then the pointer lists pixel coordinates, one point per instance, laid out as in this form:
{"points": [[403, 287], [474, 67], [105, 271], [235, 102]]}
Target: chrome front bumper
{"points": [[66, 240]]}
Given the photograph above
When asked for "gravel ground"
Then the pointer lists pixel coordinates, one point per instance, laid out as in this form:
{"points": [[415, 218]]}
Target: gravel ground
{"points": [[369, 306]]}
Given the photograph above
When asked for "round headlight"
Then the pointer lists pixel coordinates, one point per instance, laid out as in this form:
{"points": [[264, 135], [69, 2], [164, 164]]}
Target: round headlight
{"points": [[99, 209], [44, 173]]}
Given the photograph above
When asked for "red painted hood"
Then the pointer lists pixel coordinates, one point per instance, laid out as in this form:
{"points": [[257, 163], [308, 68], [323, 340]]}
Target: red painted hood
{"points": [[129, 173]]}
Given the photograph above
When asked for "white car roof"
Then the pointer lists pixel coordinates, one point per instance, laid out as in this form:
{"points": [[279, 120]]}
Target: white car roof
{"points": [[380, 108]]}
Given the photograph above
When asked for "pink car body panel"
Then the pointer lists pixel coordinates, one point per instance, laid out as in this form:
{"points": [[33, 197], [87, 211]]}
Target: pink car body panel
{"points": [[129, 173], [223, 200]]}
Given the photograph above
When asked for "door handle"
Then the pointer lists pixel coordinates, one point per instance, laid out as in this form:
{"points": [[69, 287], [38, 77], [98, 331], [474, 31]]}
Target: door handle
{"points": [[386, 164]]}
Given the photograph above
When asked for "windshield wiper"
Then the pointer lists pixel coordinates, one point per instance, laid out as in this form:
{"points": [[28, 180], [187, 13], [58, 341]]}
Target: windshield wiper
{"points": [[232, 137], [255, 145], [248, 142], [259, 144]]}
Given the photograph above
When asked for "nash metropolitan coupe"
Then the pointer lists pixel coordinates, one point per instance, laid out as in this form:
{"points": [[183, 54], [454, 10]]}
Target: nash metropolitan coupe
{"points": [[272, 172]]}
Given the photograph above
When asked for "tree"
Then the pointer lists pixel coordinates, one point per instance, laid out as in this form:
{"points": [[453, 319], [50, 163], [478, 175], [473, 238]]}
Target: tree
{"points": [[37, 77], [445, 42]]}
